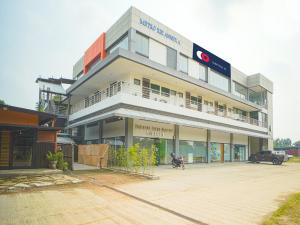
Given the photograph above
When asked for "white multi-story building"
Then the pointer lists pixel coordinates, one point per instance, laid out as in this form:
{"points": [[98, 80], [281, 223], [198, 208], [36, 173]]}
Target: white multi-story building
{"points": [[141, 82]]}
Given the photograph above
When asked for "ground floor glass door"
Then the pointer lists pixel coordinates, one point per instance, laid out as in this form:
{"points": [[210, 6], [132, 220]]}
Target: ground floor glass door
{"points": [[215, 152], [239, 153], [220, 152]]}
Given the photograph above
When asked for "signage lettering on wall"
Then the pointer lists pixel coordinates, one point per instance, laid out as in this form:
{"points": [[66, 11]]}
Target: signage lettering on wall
{"points": [[154, 131], [156, 29], [208, 59]]}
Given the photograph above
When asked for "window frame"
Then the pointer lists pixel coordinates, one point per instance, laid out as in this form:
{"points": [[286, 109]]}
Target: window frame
{"points": [[146, 37], [187, 63]]}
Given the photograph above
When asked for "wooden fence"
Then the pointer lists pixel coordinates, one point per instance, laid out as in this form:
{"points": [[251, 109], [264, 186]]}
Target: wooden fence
{"points": [[39, 154], [93, 154]]}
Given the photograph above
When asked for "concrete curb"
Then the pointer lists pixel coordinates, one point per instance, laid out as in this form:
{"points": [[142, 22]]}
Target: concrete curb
{"points": [[147, 176]]}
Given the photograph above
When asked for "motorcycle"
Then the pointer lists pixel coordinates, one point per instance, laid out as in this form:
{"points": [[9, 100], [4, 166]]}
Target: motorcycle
{"points": [[177, 162]]}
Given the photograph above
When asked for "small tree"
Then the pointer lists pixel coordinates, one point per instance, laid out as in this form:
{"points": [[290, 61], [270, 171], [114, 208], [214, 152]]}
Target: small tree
{"points": [[134, 157], [153, 159], [145, 158], [2, 102]]}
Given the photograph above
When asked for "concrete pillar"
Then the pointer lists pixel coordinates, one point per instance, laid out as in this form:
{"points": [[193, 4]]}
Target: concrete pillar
{"points": [[176, 135], [100, 125], [131, 39], [128, 132], [231, 147], [68, 108], [208, 145]]}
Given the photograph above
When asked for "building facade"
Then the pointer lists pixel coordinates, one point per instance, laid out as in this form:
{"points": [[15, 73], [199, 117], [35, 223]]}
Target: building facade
{"points": [[142, 82]]}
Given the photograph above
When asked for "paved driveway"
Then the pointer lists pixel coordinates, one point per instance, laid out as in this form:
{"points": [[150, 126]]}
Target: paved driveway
{"points": [[80, 204], [235, 193]]}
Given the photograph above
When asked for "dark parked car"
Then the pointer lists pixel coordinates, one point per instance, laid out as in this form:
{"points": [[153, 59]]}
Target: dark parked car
{"points": [[266, 156]]}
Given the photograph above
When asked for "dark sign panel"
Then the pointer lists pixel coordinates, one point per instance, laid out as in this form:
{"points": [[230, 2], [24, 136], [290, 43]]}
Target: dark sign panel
{"points": [[208, 59]]}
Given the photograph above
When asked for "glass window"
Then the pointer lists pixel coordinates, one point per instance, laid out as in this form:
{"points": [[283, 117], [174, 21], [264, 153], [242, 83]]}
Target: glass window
{"points": [[115, 142], [123, 43], [194, 100], [171, 58], [240, 90], [172, 92], [155, 88], [193, 151], [142, 45], [215, 152], [226, 152], [259, 96], [137, 82], [202, 72], [218, 80], [239, 153], [180, 95], [165, 91], [239, 111], [183, 63]]}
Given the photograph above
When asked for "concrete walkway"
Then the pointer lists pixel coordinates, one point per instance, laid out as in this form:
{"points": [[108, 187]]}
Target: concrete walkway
{"points": [[234, 193], [79, 166], [28, 172]]}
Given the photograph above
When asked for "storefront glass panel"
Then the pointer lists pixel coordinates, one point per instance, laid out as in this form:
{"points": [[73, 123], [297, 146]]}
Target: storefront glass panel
{"points": [[115, 142], [164, 147], [239, 153], [227, 152], [193, 151], [215, 152]]}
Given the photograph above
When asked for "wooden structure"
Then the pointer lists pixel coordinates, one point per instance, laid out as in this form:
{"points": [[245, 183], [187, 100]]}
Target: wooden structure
{"points": [[93, 154], [25, 137]]}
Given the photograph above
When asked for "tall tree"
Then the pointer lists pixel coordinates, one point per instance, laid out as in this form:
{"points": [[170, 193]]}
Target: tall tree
{"points": [[297, 144], [282, 142]]}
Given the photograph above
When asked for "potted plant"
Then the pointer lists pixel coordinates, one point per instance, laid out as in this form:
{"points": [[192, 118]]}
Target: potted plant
{"points": [[52, 158]]}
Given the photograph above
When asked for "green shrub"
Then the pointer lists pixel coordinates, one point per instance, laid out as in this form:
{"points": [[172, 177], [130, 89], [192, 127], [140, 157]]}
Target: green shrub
{"points": [[51, 156], [59, 157], [133, 159], [61, 164]]}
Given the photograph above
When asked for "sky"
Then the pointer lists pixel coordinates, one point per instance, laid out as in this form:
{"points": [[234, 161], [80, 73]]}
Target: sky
{"points": [[45, 38]]}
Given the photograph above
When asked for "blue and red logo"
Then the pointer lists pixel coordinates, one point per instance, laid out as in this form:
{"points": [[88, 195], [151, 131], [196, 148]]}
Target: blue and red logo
{"points": [[203, 56], [210, 60]]}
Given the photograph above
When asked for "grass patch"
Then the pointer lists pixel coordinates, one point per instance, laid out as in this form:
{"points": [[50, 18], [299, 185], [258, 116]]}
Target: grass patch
{"points": [[294, 159], [287, 214]]}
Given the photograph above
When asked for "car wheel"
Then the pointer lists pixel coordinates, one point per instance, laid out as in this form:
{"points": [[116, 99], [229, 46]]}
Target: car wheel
{"points": [[275, 162]]}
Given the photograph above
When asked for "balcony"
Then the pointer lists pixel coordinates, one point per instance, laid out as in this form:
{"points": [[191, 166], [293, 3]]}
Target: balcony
{"points": [[174, 99]]}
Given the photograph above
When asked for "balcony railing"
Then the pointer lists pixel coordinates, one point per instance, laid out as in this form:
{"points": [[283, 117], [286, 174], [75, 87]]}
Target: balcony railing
{"points": [[164, 97]]}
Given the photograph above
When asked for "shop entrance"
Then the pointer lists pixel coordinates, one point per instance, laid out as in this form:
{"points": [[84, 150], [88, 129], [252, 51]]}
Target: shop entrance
{"points": [[220, 152]]}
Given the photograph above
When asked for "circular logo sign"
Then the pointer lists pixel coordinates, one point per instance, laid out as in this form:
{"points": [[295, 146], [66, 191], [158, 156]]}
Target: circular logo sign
{"points": [[203, 56]]}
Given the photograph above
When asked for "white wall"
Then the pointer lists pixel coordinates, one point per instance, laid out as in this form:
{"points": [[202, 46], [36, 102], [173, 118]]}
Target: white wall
{"points": [[240, 139], [192, 134], [220, 137], [157, 52], [114, 129]]}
